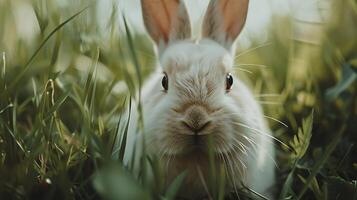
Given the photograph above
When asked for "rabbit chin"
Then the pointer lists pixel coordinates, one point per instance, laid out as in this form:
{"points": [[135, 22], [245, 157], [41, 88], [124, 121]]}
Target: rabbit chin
{"points": [[188, 146], [196, 163], [186, 154]]}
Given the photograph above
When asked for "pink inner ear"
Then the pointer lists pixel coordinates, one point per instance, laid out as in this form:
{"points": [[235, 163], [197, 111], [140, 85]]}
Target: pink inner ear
{"points": [[160, 14], [234, 15]]}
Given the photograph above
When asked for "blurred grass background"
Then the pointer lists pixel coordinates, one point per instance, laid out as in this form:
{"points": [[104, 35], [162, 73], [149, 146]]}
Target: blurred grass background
{"points": [[65, 84]]}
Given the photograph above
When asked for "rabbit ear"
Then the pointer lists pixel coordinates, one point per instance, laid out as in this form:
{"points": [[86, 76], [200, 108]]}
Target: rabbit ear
{"points": [[224, 20], [166, 20]]}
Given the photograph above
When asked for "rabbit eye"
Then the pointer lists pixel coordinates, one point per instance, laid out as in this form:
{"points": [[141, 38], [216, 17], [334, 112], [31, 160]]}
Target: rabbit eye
{"points": [[229, 81], [165, 82]]}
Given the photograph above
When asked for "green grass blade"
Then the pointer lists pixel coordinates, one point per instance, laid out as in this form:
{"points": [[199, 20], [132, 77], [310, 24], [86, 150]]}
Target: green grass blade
{"points": [[132, 51], [287, 184], [27, 65], [3, 71], [314, 187], [221, 182], [125, 134], [57, 104], [94, 89], [137, 69], [90, 79], [175, 185], [329, 149], [157, 173], [301, 140], [212, 179], [117, 130]]}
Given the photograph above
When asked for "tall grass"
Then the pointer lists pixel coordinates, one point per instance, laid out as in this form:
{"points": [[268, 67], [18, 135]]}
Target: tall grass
{"points": [[64, 93]]}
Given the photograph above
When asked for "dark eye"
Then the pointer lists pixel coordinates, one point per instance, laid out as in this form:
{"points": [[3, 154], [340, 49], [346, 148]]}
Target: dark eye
{"points": [[229, 81], [165, 82]]}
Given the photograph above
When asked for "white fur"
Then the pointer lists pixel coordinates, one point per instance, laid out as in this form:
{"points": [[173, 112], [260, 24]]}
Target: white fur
{"points": [[241, 140], [206, 61]]}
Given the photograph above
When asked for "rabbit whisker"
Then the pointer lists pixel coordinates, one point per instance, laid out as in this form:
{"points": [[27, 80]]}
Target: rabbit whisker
{"points": [[230, 172], [276, 120], [269, 103], [243, 70], [200, 174], [267, 95], [268, 117], [243, 148], [231, 164], [252, 49], [262, 133], [255, 149], [248, 64]]}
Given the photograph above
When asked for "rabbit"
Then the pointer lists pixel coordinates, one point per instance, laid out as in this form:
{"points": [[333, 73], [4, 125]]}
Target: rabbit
{"points": [[193, 97]]}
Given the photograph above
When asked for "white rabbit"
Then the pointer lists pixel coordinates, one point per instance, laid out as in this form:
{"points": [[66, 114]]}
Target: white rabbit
{"points": [[194, 96]]}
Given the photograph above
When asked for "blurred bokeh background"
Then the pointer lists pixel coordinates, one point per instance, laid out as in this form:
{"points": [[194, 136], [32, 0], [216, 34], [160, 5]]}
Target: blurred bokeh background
{"points": [[68, 70]]}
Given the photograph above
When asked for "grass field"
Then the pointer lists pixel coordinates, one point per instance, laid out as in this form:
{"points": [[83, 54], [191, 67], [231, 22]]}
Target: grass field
{"points": [[62, 94]]}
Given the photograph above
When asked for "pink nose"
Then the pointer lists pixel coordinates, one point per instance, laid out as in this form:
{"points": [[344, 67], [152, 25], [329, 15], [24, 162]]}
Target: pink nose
{"points": [[196, 119]]}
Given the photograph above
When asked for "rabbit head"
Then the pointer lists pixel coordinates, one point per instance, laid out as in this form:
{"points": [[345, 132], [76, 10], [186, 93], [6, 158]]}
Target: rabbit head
{"points": [[199, 99]]}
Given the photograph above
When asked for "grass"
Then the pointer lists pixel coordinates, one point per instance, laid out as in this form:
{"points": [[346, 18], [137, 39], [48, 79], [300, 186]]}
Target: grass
{"points": [[62, 97]]}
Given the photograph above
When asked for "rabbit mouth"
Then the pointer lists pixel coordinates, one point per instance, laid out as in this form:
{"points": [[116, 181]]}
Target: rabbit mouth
{"points": [[194, 144], [198, 140], [199, 144]]}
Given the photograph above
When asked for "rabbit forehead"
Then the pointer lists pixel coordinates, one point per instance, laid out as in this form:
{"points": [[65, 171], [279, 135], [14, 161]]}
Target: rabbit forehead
{"points": [[204, 54]]}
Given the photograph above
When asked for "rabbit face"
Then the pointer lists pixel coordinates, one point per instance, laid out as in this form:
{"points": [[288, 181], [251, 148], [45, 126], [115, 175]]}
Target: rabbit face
{"points": [[196, 105]]}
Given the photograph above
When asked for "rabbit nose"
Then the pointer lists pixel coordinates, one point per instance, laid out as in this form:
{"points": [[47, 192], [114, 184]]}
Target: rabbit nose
{"points": [[196, 128], [196, 119]]}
